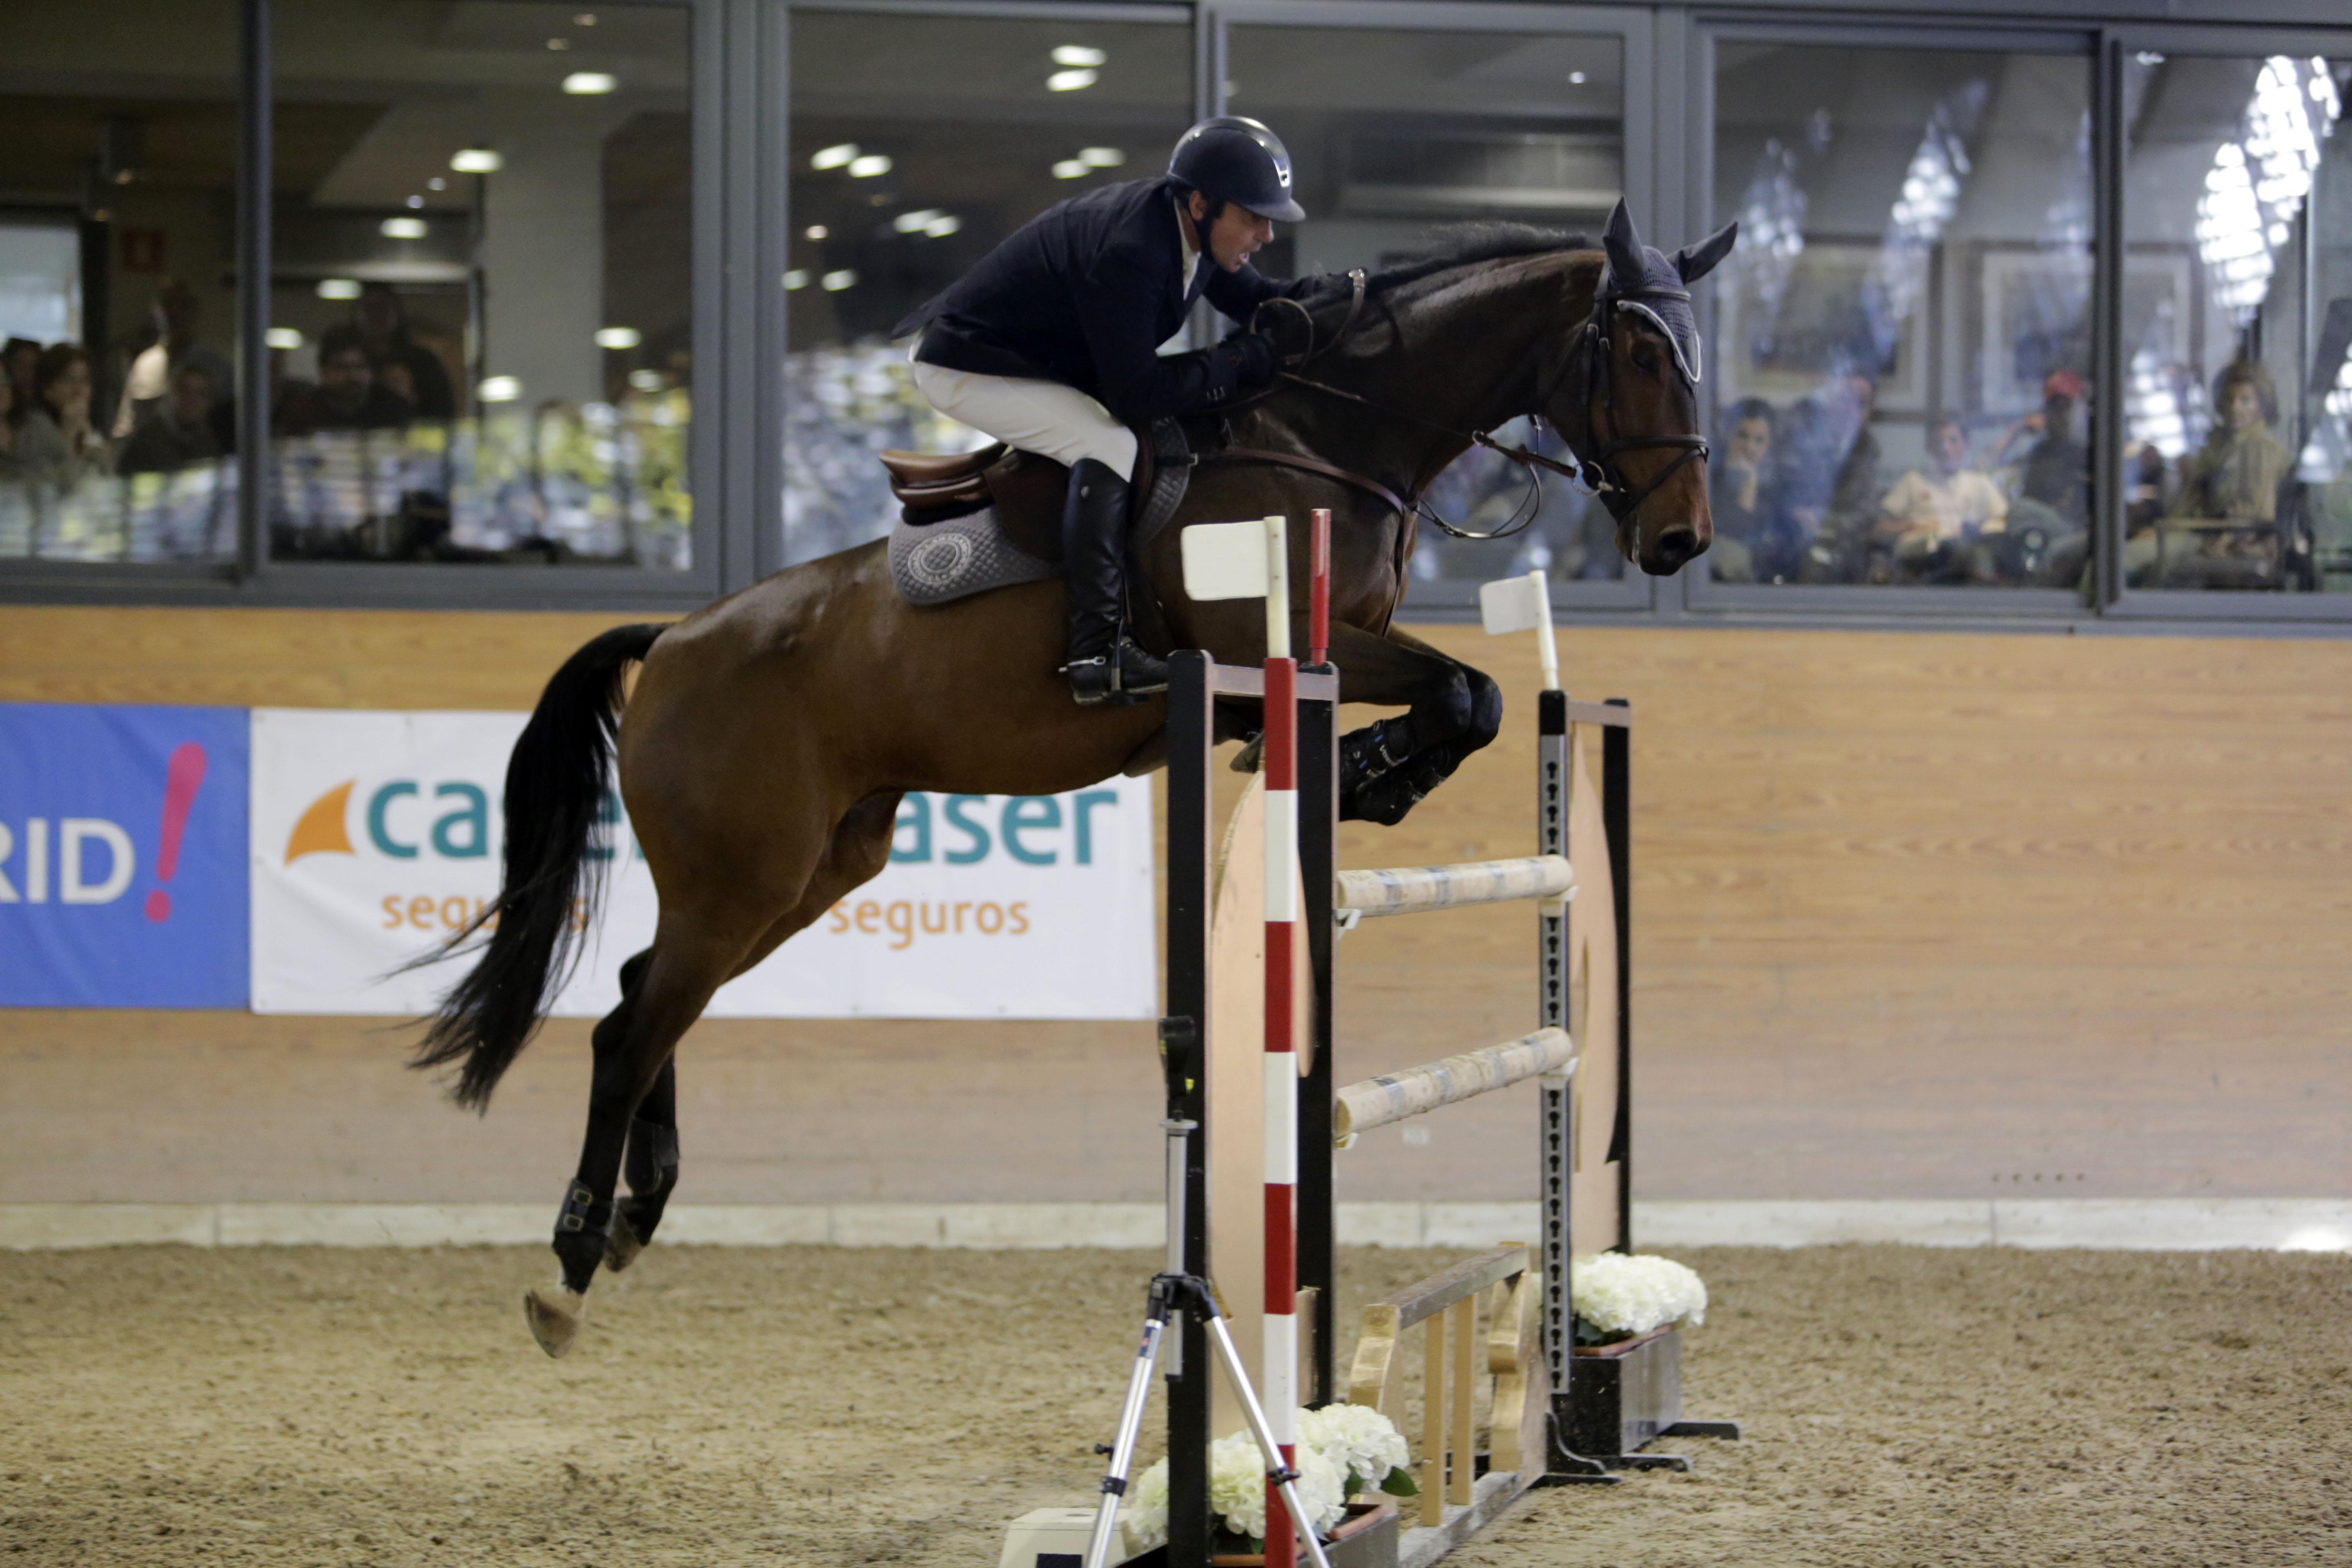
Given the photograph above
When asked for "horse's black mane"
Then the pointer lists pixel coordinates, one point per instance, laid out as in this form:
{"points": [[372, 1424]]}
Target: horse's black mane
{"points": [[1460, 245]]}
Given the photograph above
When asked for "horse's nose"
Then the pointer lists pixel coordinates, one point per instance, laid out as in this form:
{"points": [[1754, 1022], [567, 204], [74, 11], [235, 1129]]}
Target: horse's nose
{"points": [[1671, 549]]}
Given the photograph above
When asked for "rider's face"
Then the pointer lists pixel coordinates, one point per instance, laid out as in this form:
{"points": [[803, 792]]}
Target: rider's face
{"points": [[1236, 235]]}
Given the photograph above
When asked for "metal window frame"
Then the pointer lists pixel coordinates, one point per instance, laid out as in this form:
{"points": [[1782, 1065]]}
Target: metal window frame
{"points": [[716, 467], [1699, 596], [2222, 609], [1631, 596], [773, 192]]}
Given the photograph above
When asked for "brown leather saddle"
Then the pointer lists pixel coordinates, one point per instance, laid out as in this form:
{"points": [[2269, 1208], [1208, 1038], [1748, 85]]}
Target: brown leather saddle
{"points": [[1026, 489]]}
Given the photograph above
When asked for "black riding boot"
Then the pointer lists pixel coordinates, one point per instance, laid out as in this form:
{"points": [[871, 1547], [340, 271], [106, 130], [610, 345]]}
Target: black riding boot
{"points": [[1105, 666]]}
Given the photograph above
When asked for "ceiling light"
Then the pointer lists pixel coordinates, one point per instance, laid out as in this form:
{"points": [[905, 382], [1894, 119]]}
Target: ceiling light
{"points": [[832, 157], [338, 287], [645, 380], [589, 83], [282, 338], [1078, 55], [1069, 81], [1071, 168], [500, 389], [1101, 157], [835, 282], [584, 19], [619, 337], [796, 279], [816, 231], [869, 164], [908, 223], [1576, 79], [416, 201], [436, 183], [943, 226], [558, 43], [403, 228], [476, 160]]}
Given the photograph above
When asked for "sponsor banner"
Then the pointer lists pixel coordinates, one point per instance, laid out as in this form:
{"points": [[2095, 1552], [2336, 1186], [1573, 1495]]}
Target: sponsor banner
{"points": [[123, 857], [375, 837]]}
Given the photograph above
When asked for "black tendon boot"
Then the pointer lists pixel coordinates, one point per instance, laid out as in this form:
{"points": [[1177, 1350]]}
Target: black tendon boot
{"points": [[1105, 666]]}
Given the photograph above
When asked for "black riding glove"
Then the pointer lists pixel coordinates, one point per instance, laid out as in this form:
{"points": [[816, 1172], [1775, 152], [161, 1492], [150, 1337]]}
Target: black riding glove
{"points": [[1252, 357]]}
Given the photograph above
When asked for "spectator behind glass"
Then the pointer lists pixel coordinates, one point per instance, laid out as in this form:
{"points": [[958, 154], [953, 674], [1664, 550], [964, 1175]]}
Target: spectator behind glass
{"points": [[347, 396], [2235, 478], [1828, 479], [383, 332], [58, 445], [1935, 518], [178, 431], [7, 428], [178, 318], [19, 358], [2057, 471], [1743, 496]]}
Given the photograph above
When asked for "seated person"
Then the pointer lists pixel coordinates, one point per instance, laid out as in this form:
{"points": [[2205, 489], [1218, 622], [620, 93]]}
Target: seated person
{"points": [[1935, 520], [1744, 498], [347, 396], [2056, 472], [1830, 482], [58, 444], [176, 432], [2234, 479]]}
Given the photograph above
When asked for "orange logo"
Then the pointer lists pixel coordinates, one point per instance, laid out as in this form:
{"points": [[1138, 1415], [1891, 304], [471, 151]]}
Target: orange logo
{"points": [[320, 830]]}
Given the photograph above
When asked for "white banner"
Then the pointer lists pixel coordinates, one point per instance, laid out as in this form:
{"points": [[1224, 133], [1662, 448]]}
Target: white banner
{"points": [[376, 836]]}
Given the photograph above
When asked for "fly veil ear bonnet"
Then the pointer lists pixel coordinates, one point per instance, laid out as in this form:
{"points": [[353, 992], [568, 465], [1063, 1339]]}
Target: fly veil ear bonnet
{"points": [[1641, 281]]}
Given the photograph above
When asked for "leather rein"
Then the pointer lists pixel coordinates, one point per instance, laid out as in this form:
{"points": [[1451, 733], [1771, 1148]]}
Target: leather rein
{"points": [[1599, 473]]}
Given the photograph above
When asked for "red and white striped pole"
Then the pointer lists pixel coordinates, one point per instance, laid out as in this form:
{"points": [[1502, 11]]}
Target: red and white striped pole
{"points": [[1280, 1362]]}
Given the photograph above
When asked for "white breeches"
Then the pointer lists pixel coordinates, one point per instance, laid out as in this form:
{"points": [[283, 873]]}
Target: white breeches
{"points": [[1041, 417]]}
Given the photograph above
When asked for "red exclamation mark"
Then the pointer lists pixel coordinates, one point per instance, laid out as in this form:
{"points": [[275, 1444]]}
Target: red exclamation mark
{"points": [[182, 776]]}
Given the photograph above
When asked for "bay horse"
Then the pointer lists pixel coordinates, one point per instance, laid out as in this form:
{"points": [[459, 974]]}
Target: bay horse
{"points": [[769, 737]]}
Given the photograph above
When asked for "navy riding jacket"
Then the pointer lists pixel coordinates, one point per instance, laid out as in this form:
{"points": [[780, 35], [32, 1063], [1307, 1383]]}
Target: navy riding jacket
{"points": [[1084, 294]]}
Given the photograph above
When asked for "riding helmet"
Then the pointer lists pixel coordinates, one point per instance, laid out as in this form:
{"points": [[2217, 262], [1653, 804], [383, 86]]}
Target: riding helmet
{"points": [[1231, 159]]}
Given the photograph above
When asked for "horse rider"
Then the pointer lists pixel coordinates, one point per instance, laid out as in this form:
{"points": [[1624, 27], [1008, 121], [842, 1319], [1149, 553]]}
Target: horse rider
{"points": [[1050, 345]]}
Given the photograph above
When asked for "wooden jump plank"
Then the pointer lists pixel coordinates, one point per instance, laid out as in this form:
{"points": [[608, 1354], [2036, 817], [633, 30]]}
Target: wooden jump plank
{"points": [[1377, 1101], [1407, 890], [1439, 1291]]}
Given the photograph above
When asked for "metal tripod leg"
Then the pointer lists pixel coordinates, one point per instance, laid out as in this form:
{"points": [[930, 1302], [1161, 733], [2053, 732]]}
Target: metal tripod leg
{"points": [[1138, 1391], [1266, 1446], [1130, 1421]]}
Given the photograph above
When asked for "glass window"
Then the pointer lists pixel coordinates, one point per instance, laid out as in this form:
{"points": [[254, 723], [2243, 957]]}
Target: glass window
{"points": [[1902, 389], [118, 303], [480, 300], [918, 143], [1393, 132], [2237, 338]]}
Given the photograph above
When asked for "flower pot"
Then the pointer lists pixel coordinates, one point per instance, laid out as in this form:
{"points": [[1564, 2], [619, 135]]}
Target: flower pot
{"points": [[1624, 1395], [1366, 1538]]}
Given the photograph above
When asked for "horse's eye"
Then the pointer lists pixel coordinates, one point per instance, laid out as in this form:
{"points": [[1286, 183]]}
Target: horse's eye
{"points": [[1646, 361]]}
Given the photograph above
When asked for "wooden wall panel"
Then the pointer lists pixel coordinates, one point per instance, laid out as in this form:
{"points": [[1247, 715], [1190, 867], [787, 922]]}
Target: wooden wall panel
{"points": [[1916, 915]]}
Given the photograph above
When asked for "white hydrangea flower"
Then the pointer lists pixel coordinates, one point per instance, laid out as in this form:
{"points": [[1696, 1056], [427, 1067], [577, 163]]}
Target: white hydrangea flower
{"points": [[1238, 1484], [1145, 1512], [1237, 1489], [1357, 1439], [1632, 1295]]}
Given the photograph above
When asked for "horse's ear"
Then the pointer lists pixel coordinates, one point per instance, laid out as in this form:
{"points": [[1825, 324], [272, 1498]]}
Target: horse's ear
{"points": [[1623, 244], [1700, 260]]}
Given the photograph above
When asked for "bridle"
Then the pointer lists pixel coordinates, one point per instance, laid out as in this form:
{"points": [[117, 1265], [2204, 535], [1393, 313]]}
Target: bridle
{"points": [[1594, 443]]}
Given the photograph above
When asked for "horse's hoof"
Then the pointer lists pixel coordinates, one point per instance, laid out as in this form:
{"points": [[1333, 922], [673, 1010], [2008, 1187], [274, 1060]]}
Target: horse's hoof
{"points": [[623, 1243], [1251, 758], [554, 1313]]}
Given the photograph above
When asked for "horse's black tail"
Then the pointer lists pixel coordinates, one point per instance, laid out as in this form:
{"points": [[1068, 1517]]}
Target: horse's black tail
{"points": [[555, 799]]}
